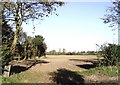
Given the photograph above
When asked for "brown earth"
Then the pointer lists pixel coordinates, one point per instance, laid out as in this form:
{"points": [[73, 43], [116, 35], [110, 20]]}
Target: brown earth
{"points": [[60, 62], [65, 65], [63, 61]]}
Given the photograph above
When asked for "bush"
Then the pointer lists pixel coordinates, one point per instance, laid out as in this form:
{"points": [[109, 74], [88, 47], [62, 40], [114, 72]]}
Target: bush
{"points": [[110, 54]]}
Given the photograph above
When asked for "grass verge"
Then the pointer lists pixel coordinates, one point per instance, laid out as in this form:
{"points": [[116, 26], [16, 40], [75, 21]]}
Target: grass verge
{"points": [[110, 71], [23, 77]]}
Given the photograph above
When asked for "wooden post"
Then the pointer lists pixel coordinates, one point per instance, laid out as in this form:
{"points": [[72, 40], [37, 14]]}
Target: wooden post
{"points": [[6, 72]]}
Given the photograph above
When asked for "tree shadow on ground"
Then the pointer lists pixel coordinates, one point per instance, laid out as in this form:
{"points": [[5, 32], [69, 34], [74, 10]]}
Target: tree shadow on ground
{"points": [[27, 65], [66, 77], [87, 66], [94, 63], [34, 62], [18, 69]]}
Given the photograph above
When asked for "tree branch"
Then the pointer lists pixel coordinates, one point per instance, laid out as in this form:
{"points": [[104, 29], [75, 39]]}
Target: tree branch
{"points": [[9, 8]]}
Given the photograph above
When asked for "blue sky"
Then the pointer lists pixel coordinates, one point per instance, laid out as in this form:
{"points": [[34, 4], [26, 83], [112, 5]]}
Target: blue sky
{"points": [[77, 28]]}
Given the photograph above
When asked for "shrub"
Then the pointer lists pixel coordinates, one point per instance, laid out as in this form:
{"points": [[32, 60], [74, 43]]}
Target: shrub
{"points": [[110, 54]]}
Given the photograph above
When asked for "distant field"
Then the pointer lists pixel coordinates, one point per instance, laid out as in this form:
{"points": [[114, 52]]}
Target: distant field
{"points": [[71, 62]]}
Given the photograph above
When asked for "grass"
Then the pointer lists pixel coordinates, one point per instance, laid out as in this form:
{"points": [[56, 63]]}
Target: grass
{"points": [[0, 79], [111, 71], [23, 77], [31, 76]]}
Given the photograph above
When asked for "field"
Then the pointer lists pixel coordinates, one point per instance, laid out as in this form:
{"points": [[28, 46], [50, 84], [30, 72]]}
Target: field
{"points": [[63, 61], [59, 69]]}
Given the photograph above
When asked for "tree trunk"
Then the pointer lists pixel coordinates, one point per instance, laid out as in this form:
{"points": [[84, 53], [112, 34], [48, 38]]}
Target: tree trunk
{"points": [[13, 44], [25, 53], [18, 23], [16, 34]]}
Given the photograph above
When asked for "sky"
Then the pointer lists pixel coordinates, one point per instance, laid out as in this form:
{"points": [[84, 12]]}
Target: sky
{"points": [[77, 28]]}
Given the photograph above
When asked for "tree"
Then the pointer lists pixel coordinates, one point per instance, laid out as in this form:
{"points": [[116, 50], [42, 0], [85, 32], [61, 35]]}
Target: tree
{"points": [[38, 40], [7, 38], [113, 17], [114, 13], [40, 45], [28, 47], [18, 12], [111, 52], [43, 49]]}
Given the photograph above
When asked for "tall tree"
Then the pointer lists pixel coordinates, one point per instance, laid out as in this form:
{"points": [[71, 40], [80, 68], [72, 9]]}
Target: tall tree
{"points": [[18, 12], [27, 46], [113, 17], [41, 47], [38, 40]]}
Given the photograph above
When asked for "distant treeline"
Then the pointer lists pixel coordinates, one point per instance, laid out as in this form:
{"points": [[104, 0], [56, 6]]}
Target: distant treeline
{"points": [[53, 52]]}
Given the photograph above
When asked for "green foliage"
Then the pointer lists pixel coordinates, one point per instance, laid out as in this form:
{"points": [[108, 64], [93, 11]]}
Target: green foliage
{"points": [[110, 54], [25, 48], [5, 54], [18, 12], [39, 44], [32, 76], [33, 46], [27, 76], [38, 40], [7, 38]]}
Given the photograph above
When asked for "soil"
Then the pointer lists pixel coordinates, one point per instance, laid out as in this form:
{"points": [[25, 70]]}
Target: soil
{"points": [[63, 61], [70, 62]]}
